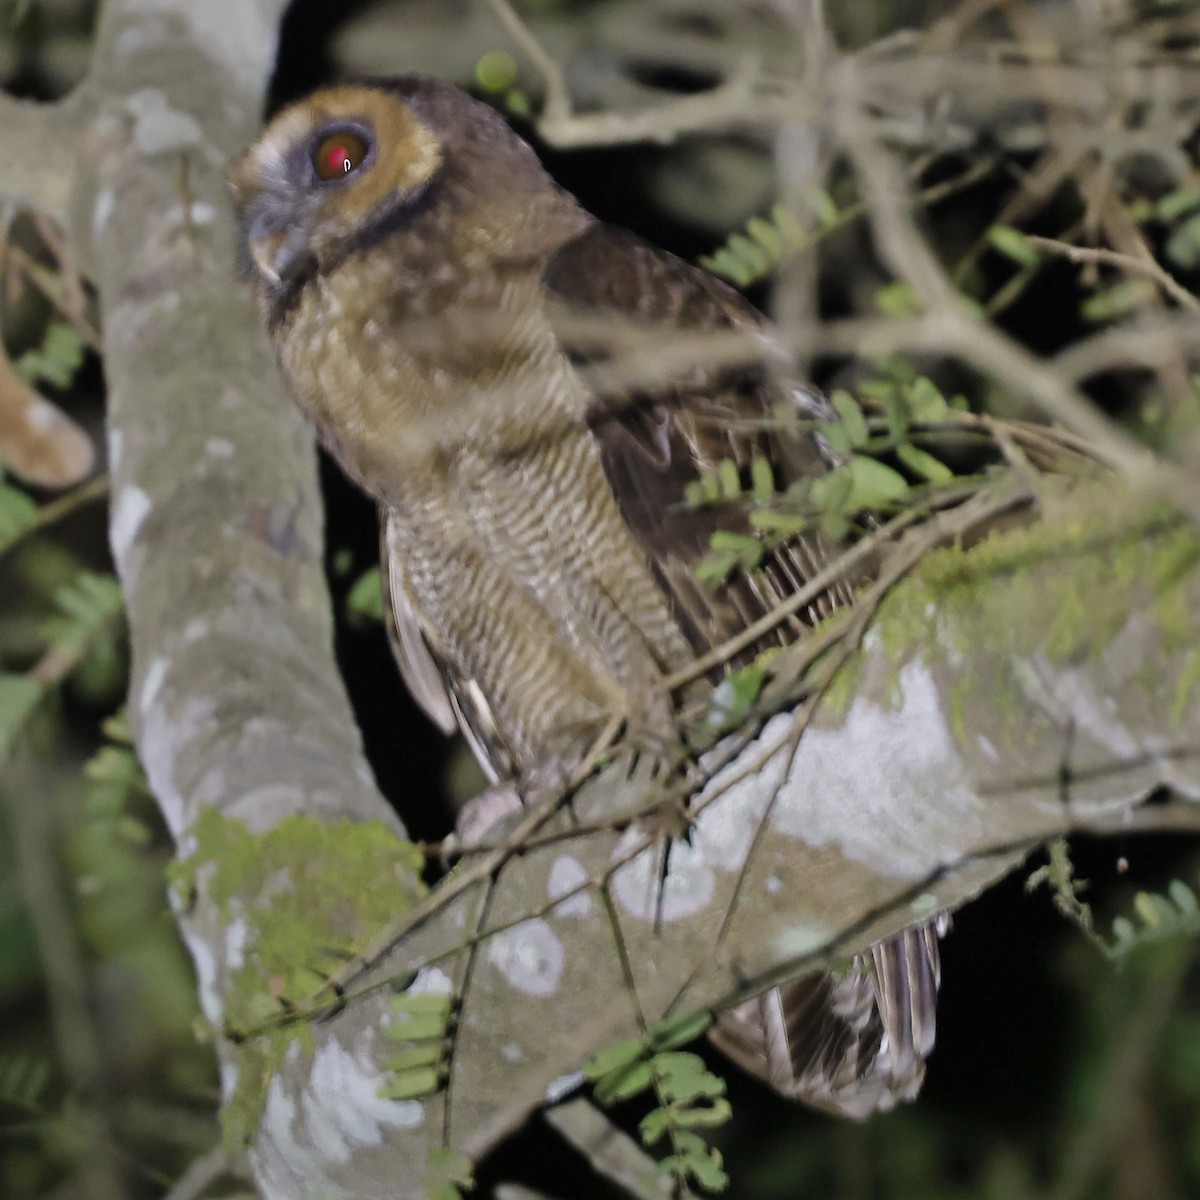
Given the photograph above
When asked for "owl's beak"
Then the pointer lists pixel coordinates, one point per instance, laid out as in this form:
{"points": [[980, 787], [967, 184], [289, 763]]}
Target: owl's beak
{"points": [[276, 253], [268, 253]]}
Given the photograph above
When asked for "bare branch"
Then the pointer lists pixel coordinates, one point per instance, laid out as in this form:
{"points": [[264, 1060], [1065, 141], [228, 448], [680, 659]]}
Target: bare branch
{"points": [[43, 141]]}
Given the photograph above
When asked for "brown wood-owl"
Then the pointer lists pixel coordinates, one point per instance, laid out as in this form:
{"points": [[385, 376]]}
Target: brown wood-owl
{"points": [[436, 301]]}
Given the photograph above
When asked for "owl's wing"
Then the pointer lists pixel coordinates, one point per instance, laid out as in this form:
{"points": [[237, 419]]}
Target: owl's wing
{"points": [[852, 1044], [448, 700], [654, 442]]}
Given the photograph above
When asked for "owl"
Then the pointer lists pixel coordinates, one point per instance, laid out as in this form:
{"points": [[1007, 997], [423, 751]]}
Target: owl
{"points": [[443, 312]]}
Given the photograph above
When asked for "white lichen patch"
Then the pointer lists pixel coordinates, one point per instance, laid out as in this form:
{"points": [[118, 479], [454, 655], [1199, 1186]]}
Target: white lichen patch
{"points": [[566, 879], [237, 934], [219, 447], [205, 962], [261, 807], [432, 981], [530, 956], [161, 733], [725, 826], [686, 890], [800, 939], [42, 416], [560, 1088], [106, 200], [152, 681], [512, 1053], [116, 444], [145, 35], [887, 788], [195, 629], [157, 127], [339, 1113], [129, 509], [197, 213]]}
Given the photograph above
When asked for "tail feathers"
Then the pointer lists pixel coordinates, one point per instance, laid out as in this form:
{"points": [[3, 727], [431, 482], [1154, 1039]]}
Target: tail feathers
{"points": [[850, 1044]]}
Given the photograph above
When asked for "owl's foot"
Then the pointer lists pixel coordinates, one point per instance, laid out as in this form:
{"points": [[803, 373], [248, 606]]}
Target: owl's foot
{"points": [[480, 815]]}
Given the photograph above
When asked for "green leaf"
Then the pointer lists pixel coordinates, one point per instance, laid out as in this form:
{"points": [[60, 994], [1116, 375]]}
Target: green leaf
{"points": [[615, 1058], [771, 520], [832, 492], [1175, 204], [496, 71], [707, 1116], [410, 1085], [731, 700], [730, 479], [836, 437], [428, 1054], [1183, 246], [453, 1165], [898, 300], [17, 514], [875, 485], [824, 206], [687, 1027], [851, 416], [365, 598], [414, 1028], [790, 229], [423, 1004], [925, 400], [1183, 896], [23, 1080], [716, 566], [924, 464], [1012, 243], [749, 550], [767, 236], [624, 1084], [750, 253], [18, 699], [1123, 297], [762, 480], [899, 415]]}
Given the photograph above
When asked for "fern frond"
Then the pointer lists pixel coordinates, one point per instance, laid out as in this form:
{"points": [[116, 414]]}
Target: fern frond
{"points": [[23, 1081], [1157, 916], [18, 513], [766, 243], [689, 1095]]}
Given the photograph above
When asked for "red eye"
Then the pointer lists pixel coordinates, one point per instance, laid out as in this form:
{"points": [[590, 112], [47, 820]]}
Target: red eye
{"points": [[340, 153]]}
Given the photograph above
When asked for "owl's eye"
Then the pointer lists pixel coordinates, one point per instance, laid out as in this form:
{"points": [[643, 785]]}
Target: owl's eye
{"points": [[340, 153]]}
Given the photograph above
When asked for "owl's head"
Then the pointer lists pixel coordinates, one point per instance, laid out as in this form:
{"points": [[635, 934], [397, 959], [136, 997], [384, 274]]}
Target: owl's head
{"points": [[341, 169]]}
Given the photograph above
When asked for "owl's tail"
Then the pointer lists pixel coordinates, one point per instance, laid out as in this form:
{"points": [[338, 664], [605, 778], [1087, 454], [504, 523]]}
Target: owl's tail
{"points": [[850, 1043]]}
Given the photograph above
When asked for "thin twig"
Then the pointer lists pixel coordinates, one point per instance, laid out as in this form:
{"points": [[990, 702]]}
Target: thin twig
{"points": [[557, 106], [203, 1172], [1126, 262], [60, 508]]}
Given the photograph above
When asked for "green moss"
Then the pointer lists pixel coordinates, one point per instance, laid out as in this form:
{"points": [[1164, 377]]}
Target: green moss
{"points": [[1185, 685], [842, 688], [311, 896], [1063, 586]]}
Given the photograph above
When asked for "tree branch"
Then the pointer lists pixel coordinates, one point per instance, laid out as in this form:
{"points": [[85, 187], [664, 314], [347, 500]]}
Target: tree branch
{"points": [[44, 140]]}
